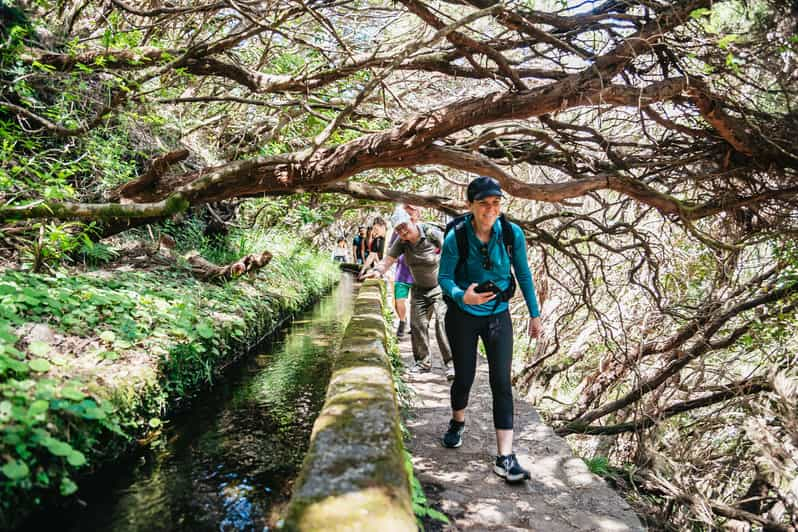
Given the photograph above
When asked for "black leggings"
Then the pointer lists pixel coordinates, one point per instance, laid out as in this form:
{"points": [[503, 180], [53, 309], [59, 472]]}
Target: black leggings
{"points": [[496, 332]]}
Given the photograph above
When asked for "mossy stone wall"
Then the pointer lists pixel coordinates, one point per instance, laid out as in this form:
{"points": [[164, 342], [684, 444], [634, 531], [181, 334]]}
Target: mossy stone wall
{"points": [[354, 475]]}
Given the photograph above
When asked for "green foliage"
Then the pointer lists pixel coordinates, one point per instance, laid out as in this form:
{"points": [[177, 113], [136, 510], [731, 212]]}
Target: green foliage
{"points": [[37, 167], [787, 252], [200, 342], [13, 31], [95, 253], [52, 426], [274, 148], [110, 156], [291, 254], [190, 364], [308, 215], [421, 505], [287, 63], [190, 234], [114, 37], [48, 425], [57, 242], [700, 13], [598, 465], [25, 167]]}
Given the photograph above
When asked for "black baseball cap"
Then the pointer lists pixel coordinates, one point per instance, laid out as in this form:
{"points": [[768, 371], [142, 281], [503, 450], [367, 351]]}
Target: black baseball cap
{"points": [[482, 187]]}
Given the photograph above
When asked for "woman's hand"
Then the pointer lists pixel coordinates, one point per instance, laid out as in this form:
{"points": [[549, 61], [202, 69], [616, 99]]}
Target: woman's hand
{"points": [[535, 328], [474, 298]]}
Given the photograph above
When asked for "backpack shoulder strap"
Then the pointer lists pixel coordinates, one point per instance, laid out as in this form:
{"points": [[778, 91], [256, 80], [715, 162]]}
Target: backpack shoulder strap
{"points": [[431, 232], [508, 235], [462, 240]]}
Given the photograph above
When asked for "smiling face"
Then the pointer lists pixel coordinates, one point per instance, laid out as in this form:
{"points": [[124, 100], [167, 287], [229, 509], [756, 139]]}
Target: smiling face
{"points": [[407, 231], [485, 211]]}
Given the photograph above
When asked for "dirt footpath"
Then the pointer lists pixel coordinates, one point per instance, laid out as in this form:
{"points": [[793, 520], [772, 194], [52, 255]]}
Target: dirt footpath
{"points": [[562, 496]]}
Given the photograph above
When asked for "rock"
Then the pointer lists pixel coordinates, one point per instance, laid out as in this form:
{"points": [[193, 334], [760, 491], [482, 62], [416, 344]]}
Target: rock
{"points": [[37, 332]]}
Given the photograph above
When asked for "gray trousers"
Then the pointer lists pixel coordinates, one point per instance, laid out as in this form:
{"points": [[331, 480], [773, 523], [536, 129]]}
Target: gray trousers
{"points": [[424, 302]]}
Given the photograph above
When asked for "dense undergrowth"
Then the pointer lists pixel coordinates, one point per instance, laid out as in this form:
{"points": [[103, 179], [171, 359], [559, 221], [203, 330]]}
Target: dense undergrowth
{"points": [[114, 350]]}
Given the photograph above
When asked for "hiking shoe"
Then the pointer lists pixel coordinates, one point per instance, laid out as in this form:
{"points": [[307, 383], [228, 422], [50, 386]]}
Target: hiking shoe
{"points": [[450, 372], [401, 330], [509, 469], [420, 367], [454, 436]]}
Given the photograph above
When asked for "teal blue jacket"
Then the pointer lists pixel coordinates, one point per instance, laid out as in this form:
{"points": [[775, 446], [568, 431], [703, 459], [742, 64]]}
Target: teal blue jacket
{"points": [[476, 273]]}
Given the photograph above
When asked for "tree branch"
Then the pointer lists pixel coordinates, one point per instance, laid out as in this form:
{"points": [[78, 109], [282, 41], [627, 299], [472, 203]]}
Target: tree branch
{"points": [[731, 391]]}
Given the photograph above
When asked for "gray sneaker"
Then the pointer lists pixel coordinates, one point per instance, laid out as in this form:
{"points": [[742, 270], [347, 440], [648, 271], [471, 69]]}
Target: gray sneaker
{"points": [[507, 467], [454, 434], [420, 367], [449, 372], [401, 330]]}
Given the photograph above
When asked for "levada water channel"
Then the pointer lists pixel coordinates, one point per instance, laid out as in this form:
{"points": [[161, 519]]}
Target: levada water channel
{"points": [[228, 463]]}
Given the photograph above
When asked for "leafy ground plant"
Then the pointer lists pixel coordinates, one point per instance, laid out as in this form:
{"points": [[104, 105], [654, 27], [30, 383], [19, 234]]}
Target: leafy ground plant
{"points": [[89, 360]]}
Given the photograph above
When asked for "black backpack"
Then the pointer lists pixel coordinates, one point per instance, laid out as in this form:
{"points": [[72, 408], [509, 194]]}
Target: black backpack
{"points": [[458, 226]]}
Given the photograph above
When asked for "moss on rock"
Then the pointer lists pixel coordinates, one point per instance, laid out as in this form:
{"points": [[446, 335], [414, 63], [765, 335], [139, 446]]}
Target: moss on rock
{"points": [[354, 475]]}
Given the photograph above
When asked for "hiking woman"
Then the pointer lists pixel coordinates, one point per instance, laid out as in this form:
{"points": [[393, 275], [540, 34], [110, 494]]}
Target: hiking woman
{"points": [[478, 289]]}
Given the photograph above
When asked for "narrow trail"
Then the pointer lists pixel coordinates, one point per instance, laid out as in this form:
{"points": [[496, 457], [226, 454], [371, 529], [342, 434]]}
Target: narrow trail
{"points": [[561, 496]]}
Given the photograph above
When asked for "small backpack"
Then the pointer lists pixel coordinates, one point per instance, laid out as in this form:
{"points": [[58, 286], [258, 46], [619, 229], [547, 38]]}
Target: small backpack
{"points": [[458, 226]]}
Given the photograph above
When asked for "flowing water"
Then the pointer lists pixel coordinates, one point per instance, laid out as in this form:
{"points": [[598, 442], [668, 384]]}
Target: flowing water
{"points": [[228, 463]]}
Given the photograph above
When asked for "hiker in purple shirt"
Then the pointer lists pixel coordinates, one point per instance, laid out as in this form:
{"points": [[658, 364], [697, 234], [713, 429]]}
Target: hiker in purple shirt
{"points": [[402, 282]]}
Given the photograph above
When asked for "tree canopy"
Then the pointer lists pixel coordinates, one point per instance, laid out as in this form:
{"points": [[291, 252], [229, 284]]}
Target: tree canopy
{"points": [[648, 148], [304, 97]]}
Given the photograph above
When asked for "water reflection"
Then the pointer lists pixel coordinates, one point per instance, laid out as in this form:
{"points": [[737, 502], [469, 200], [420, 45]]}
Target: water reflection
{"points": [[229, 463]]}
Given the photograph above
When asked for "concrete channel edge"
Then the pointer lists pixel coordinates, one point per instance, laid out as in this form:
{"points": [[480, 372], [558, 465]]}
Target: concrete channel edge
{"points": [[354, 475]]}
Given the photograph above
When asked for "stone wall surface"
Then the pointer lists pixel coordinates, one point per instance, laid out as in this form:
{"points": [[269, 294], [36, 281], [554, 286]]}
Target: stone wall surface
{"points": [[354, 475]]}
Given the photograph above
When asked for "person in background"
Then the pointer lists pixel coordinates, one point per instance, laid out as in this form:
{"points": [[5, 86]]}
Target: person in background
{"points": [[420, 244], [402, 282], [366, 244], [341, 251], [403, 279], [376, 245], [482, 314], [358, 243]]}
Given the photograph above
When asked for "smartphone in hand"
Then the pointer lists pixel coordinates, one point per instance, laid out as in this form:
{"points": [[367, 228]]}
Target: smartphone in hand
{"points": [[487, 286]]}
